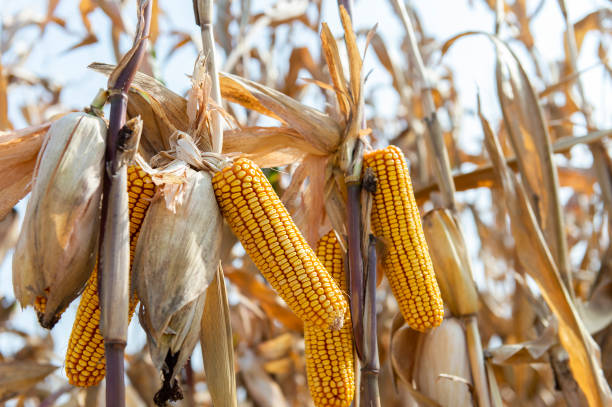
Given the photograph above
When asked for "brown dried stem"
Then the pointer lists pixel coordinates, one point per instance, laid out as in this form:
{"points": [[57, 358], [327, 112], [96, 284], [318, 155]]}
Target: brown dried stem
{"points": [[114, 343]]}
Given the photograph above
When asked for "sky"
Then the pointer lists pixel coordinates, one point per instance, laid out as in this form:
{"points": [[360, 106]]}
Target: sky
{"points": [[472, 61]]}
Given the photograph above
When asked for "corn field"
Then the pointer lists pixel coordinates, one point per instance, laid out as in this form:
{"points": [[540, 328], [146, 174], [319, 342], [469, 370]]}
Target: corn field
{"points": [[321, 203]]}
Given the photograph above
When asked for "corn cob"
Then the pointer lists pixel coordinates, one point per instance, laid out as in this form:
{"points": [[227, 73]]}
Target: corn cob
{"points": [[396, 219], [85, 364], [329, 355], [257, 216]]}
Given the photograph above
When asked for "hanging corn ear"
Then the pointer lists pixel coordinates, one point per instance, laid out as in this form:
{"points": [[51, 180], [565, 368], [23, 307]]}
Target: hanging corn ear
{"points": [[396, 220], [177, 254], [58, 246], [329, 355], [85, 364], [276, 246]]}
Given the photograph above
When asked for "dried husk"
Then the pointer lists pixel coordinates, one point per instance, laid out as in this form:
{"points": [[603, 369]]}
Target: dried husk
{"points": [[174, 346], [18, 152], [451, 262], [57, 248], [443, 368], [9, 232], [178, 249], [179, 337]]}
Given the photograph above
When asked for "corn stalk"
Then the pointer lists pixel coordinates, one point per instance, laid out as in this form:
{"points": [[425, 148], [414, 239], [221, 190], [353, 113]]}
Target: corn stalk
{"points": [[361, 250], [114, 258]]}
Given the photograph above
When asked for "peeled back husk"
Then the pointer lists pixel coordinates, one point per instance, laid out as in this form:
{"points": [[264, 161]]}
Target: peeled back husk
{"points": [[58, 244], [178, 251]]}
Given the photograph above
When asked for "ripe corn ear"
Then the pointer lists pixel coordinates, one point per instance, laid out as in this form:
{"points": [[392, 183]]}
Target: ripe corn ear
{"points": [[329, 355], [57, 246], [396, 219], [85, 363], [258, 217]]}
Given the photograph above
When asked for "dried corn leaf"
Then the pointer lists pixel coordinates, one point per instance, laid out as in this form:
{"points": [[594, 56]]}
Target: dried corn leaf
{"points": [[143, 376], [579, 179], [267, 146], [534, 351], [584, 357], [9, 232], [234, 92], [18, 152], [318, 129], [353, 55], [18, 376], [300, 58], [277, 347], [162, 111], [5, 123], [268, 299], [217, 344], [334, 64], [590, 22], [260, 386], [530, 140]]}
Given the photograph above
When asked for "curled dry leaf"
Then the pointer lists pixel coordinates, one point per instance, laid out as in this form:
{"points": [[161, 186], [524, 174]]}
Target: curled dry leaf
{"points": [[57, 248], [535, 351], [18, 376]]}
